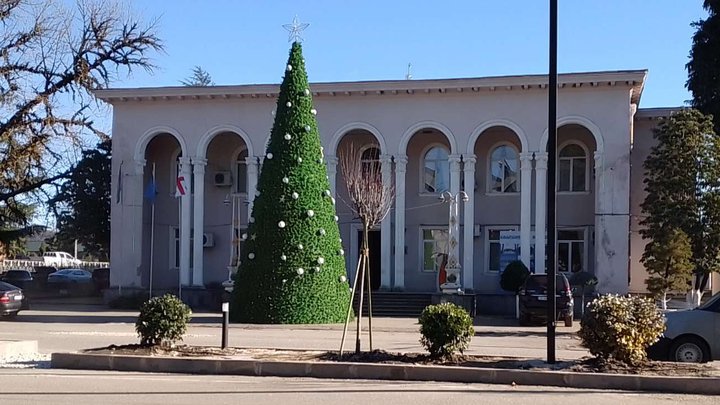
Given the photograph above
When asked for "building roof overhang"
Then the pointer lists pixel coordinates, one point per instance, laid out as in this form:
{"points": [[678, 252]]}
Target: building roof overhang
{"points": [[633, 79]]}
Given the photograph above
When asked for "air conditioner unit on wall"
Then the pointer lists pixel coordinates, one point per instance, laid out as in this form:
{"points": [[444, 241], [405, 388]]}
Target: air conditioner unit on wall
{"points": [[208, 240], [222, 179]]}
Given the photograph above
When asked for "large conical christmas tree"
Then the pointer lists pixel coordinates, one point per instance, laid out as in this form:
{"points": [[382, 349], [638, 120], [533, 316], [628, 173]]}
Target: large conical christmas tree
{"points": [[292, 269]]}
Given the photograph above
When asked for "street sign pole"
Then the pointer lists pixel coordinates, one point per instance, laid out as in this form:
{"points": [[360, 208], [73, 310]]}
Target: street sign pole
{"points": [[551, 179]]}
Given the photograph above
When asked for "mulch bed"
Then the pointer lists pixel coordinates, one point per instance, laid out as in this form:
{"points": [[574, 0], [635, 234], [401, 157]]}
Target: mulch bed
{"points": [[586, 365]]}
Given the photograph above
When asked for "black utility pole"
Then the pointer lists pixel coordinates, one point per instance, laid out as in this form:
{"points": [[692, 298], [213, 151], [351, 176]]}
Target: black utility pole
{"points": [[551, 198]]}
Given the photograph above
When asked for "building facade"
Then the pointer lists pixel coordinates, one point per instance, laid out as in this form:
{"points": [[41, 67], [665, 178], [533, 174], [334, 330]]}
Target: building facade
{"points": [[484, 136]]}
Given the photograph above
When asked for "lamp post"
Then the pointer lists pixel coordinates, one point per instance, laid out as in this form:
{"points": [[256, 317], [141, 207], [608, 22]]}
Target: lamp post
{"points": [[452, 281]]}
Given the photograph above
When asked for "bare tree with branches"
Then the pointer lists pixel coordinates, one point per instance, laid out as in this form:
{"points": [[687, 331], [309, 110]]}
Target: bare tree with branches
{"points": [[52, 58], [371, 201]]}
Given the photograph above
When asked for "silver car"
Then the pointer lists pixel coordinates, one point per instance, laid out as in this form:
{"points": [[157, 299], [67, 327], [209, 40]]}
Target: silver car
{"points": [[692, 336]]}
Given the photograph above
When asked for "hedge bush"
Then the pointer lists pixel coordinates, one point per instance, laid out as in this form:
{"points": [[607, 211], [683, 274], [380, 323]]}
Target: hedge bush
{"points": [[446, 329], [621, 328], [514, 275], [162, 320]]}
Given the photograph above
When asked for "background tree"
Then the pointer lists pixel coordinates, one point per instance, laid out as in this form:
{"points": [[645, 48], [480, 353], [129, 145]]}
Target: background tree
{"points": [[53, 58], [293, 268], [704, 65], [82, 206], [682, 181], [370, 200], [667, 260], [199, 77]]}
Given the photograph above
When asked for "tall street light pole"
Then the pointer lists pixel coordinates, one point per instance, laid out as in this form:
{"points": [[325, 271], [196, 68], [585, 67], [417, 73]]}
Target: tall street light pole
{"points": [[551, 174]]}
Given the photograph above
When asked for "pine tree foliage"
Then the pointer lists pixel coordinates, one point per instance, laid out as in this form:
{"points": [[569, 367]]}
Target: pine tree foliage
{"points": [[668, 261], [293, 266], [199, 78], [682, 181], [704, 65]]}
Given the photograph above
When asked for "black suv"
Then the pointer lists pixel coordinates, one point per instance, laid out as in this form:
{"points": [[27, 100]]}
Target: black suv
{"points": [[533, 299], [19, 278]]}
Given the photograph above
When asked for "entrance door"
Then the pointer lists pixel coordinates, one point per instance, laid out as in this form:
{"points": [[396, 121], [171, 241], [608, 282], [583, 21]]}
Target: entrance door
{"points": [[375, 246]]}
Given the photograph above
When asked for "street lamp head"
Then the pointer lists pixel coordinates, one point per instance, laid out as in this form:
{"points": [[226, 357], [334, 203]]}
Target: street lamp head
{"points": [[445, 196], [464, 196]]}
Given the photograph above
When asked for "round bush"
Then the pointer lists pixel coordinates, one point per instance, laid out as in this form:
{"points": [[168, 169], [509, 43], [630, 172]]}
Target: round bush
{"points": [[446, 329], [514, 276], [162, 320], [621, 328]]}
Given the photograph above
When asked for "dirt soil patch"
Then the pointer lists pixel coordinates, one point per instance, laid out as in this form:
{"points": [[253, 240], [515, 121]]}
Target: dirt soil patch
{"points": [[585, 365]]}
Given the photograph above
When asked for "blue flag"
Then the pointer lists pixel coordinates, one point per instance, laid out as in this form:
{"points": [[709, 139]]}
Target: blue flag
{"points": [[151, 191]]}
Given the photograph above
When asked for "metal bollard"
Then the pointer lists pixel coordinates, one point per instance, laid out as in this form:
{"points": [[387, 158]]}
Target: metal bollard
{"points": [[226, 322]]}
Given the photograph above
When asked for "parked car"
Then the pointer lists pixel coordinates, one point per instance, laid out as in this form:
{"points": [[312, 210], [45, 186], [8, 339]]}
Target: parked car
{"points": [[18, 278], [533, 299], [70, 276], [12, 300], [60, 259], [691, 336]]}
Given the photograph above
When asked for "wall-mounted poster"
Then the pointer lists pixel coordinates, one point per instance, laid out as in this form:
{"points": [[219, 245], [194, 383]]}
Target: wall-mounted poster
{"points": [[510, 249]]}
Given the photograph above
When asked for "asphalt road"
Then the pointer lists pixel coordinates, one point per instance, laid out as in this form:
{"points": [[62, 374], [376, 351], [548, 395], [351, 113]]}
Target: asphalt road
{"points": [[109, 388]]}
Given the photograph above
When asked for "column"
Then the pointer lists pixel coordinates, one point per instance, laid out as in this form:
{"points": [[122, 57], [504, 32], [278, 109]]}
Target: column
{"points": [[135, 228], [332, 163], [454, 173], [541, 159], [469, 225], [400, 168], [525, 192], [185, 226], [198, 220], [385, 227], [252, 178]]}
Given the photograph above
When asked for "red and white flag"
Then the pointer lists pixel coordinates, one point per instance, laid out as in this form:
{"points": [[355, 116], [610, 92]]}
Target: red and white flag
{"points": [[180, 187]]}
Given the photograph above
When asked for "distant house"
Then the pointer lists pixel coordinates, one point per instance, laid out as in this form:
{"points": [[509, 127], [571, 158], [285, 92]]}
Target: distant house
{"points": [[486, 136]]}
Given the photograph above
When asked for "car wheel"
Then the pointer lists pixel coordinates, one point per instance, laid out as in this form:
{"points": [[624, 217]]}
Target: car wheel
{"points": [[689, 349]]}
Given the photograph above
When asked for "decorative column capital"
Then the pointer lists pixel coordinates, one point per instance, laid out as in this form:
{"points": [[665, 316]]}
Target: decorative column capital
{"points": [[469, 163], [199, 165], [541, 159], [598, 156], [454, 162], [400, 162], [526, 161], [332, 160], [185, 164], [199, 161], [385, 159], [140, 167]]}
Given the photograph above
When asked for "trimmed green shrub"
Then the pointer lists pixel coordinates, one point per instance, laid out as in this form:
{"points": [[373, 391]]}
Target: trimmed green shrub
{"points": [[162, 320], [446, 329], [292, 268], [514, 276], [621, 328]]}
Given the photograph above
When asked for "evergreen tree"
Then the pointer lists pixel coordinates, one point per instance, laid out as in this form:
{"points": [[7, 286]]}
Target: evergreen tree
{"points": [[682, 181], [667, 260], [292, 269], [199, 78], [704, 65]]}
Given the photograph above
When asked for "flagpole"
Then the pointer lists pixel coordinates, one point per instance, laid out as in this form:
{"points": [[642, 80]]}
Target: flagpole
{"points": [[179, 198], [152, 233]]}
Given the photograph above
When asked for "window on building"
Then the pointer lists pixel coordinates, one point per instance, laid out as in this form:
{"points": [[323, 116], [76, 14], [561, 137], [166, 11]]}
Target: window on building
{"points": [[434, 242], [240, 172], [436, 170], [500, 252], [370, 160], [572, 168], [504, 170], [175, 247], [571, 250]]}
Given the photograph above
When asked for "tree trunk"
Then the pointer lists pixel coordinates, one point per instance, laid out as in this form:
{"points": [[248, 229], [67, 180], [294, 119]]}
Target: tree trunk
{"points": [[696, 293], [366, 253], [664, 300]]}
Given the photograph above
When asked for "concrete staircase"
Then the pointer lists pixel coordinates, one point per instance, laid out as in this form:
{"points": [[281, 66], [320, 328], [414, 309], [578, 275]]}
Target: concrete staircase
{"points": [[395, 304]]}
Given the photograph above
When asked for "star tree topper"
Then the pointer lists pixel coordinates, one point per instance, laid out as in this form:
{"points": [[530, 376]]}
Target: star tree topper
{"points": [[295, 29]]}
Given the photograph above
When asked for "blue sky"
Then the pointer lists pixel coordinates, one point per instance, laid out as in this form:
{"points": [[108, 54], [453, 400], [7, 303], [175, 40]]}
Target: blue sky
{"points": [[243, 42]]}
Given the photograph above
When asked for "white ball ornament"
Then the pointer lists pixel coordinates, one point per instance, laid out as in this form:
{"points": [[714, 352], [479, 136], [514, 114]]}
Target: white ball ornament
{"points": [[251, 220], [332, 200], [307, 92], [300, 271], [321, 232], [299, 160], [286, 180], [273, 113], [307, 128], [313, 111], [295, 196], [320, 260], [244, 236], [343, 279], [300, 246], [288, 104], [310, 213], [289, 68], [341, 252], [283, 257], [327, 193], [251, 256], [281, 224], [288, 137], [284, 281], [269, 156], [337, 218], [317, 269]]}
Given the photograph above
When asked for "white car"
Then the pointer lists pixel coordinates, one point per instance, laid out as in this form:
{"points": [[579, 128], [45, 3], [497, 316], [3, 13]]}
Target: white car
{"points": [[60, 259]]}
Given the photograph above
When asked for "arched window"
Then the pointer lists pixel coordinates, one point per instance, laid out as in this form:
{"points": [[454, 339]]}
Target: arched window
{"points": [[503, 171], [572, 168], [436, 170], [370, 160], [240, 171]]}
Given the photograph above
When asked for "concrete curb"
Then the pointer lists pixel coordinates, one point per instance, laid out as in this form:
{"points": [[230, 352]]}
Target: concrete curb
{"points": [[13, 348], [687, 385]]}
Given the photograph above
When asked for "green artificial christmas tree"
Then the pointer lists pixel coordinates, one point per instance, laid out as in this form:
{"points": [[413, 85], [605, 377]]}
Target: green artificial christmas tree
{"points": [[293, 265]]}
